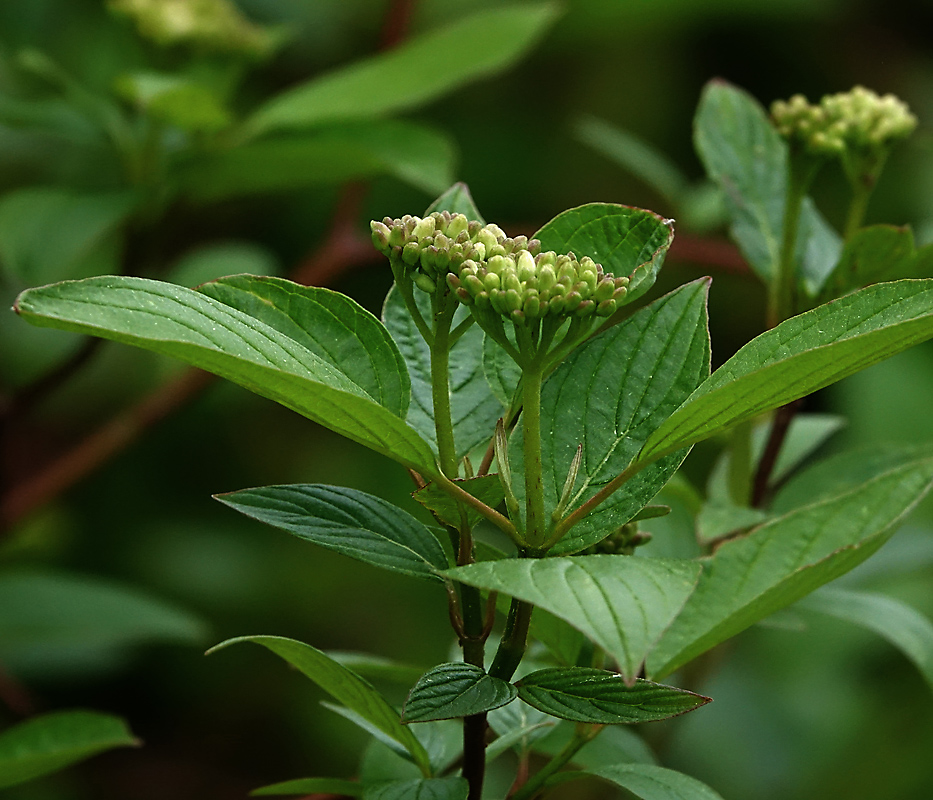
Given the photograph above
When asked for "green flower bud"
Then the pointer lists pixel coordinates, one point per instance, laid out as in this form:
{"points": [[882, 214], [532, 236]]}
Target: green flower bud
{"points": [[605, 308], [491, 281], [381, 233], [411, 253], [423, 282], [532, 306], [603, 291], [425, 228], [546, 278], [457, 225], [585, 308]]}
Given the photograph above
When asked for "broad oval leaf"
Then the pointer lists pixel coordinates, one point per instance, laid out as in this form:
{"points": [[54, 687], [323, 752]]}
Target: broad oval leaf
{"points": [[903, 626], [876, 253], [650, 782], [747, 158], [328, 324], [623, 603], [452, 788], [785, 559], [610, 395], [457, 200], [344, 686], [303, 786], [454, 690], [423, 68], [800, 356], [583, 694], [206, 333], [351, 522], [473, 408], [627, 241], [416, 154], [53, 741]]}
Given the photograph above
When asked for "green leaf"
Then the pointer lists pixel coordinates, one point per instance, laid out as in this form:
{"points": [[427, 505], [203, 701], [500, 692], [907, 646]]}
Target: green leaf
{"points": [[609, 395], [327, 323], [457, 200], [876, 253], [818, 249], [428, 789], [344, 686], [204, 332], [626, 241], [583, 694], [310, 786], [800, 356], [785, 559], [747, 158], [623, 603], [348, 521], [52, 234], [364, 724], [487, 488], [636, 156], [174, 99], [844, 471], [454, 690], [562, 640], [745, 155], [411, 152], [655, 783], [51, 742], [502, 373], [718, 519], [518, 726], [54, 621], [422, 69], [473, 408], [904, 627]]}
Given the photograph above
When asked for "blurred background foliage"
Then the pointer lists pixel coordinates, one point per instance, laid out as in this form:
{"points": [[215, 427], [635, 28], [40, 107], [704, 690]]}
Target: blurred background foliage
{"points": [[139, 149]]}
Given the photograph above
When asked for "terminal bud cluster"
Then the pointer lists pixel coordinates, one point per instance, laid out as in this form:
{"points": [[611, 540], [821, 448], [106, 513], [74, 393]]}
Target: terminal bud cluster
{"points": [[521, 285], [858, 119], [488, 270]]}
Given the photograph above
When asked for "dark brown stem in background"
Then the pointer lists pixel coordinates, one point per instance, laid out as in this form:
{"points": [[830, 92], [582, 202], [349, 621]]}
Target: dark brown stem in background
{"points": [[100, 446], [779, 427]]}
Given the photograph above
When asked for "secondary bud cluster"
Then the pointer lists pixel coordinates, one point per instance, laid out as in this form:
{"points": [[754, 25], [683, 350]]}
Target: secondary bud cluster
{"points": [[621, 542], [858, 118], [523, 285], [441, 243]]}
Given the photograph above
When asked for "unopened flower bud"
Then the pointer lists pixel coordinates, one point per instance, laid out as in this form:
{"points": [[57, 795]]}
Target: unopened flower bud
{"points": [[423, 282], [411, 253], [381, 233]]}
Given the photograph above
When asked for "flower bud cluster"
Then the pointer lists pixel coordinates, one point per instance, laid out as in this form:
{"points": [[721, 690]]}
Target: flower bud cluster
{"points": [[620, 542], [441, 243], [522, 285], [211, 24], [858, 119]]}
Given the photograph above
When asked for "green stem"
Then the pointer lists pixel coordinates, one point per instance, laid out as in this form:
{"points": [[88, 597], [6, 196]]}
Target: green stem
{"points": [[514, 638], [473, 637], [583, 734], [781, 294], [502, 522], [858, 206], [535, 518], [440, 390]]}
